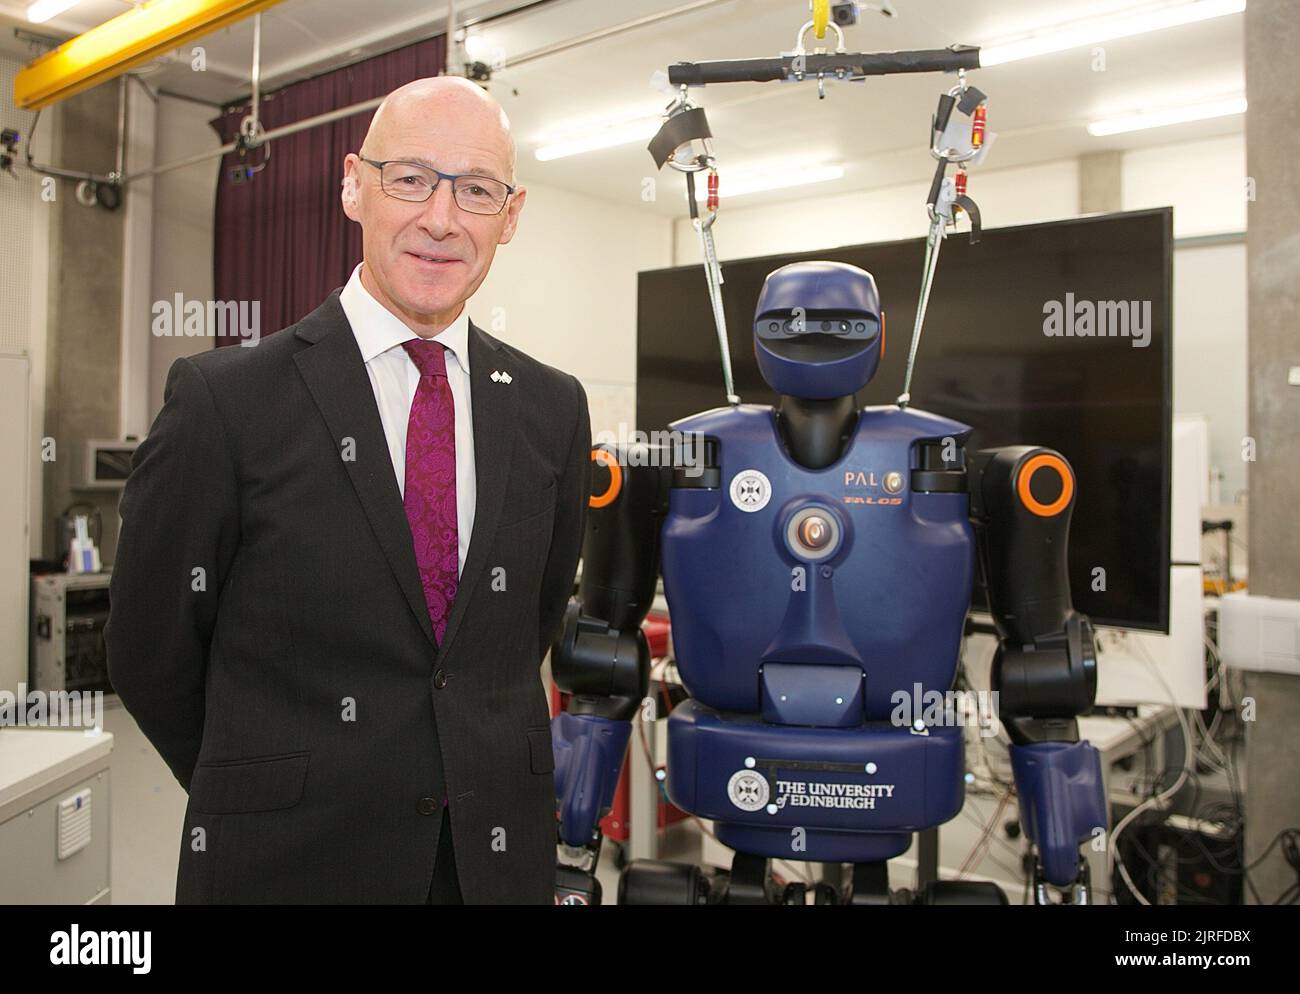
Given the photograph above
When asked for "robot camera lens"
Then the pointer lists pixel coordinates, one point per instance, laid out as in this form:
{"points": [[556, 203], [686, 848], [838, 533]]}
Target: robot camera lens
{"points": [[814, 532]]}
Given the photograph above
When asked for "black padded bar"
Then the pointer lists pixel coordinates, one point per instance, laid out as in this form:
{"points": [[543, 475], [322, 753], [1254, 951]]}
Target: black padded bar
{"points": [[853, 64]]}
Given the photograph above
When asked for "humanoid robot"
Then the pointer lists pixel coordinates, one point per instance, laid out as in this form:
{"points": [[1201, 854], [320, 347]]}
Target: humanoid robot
{"points": [[818, 561]]}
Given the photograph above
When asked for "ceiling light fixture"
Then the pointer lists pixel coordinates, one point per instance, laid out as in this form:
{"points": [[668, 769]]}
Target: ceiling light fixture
{"points": [[1170, 115], [1095, 30], [609, 136]]}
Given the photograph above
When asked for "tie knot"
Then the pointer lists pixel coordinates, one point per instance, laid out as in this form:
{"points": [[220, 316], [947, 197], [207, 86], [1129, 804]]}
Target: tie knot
{"points": [[429, 356]]}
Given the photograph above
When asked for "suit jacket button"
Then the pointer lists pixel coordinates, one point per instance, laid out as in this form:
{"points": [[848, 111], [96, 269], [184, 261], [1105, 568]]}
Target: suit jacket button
{"points": [[428, 806], [439, 679]]}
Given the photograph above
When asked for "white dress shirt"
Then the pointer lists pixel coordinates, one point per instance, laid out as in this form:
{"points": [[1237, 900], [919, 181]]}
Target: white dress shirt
{"points": [[394, 379]]}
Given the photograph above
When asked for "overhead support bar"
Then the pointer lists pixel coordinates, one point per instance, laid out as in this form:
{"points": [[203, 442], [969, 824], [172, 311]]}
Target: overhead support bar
{"points": [[849, 65]]}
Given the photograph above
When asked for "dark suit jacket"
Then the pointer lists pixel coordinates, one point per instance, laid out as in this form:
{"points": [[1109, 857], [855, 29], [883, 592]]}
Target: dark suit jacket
{"points": [[269, 633]]}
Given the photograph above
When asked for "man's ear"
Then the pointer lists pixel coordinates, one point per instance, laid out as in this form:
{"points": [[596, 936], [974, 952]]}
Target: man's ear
{"points": [[349, 192], [512, 215]]}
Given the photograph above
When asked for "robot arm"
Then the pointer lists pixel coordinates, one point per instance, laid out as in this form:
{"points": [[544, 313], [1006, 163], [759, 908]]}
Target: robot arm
{"points": [[1044, 671], [602, 659]]}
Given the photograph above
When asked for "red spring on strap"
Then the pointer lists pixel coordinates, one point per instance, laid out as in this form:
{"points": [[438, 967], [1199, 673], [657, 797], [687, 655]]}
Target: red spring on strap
{"points": [[712, 202], [960, 179]]}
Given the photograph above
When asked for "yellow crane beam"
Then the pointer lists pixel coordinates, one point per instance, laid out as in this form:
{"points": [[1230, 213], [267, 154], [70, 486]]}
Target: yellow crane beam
{"points": [[128, 40]]}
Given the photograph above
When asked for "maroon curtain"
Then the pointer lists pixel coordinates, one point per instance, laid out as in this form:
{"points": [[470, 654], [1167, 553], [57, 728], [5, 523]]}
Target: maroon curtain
{"points": [[282, 238]]}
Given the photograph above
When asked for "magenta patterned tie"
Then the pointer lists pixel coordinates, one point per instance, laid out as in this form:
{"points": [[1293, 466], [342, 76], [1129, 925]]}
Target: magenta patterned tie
{"points": [[430, 495]]}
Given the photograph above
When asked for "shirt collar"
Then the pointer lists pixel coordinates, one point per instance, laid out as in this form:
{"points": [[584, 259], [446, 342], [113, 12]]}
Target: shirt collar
{"points": [[377, 329]]}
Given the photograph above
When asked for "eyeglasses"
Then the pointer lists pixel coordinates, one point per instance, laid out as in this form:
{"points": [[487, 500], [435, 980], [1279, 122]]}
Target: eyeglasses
{"points": [[416, 183]]}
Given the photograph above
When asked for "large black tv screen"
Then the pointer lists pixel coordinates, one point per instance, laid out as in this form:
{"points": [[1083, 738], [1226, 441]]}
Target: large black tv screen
{"points": [[1002, 351]]}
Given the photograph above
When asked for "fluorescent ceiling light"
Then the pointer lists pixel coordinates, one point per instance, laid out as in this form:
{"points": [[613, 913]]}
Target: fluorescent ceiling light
{"points": [[1109, 27], [1169, 115], [609, 136], [42, 10], [778, 177]]}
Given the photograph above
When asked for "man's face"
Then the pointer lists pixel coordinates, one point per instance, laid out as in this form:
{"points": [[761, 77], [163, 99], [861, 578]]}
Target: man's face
{"points": [[426, 259]]}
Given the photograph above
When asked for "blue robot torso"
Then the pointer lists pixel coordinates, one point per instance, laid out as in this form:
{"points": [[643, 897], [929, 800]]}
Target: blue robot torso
{"points": [[887, 608]]}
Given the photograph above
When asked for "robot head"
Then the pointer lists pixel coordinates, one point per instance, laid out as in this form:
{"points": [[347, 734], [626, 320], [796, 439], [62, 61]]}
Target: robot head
{"points": [[818, 332]]}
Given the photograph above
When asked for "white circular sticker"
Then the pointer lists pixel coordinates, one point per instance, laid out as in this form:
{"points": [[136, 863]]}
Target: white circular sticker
{"points": [[750, 490], [748, 790]]}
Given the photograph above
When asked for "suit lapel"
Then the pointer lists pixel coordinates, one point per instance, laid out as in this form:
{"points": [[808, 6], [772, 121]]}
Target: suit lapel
{"points": [[494, 410], [336, 376]]}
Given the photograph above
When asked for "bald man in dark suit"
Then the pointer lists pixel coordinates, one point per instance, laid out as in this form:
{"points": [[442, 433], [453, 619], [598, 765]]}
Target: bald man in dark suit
{"points": [[345, 552]]}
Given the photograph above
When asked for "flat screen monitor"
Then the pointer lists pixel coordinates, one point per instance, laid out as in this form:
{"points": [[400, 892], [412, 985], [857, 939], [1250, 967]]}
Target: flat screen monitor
{"points": [[1004, 351]]}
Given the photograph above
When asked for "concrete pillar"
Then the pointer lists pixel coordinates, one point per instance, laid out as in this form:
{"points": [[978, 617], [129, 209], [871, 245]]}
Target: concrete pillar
{"points": [[1273, 259], [83, 366]]}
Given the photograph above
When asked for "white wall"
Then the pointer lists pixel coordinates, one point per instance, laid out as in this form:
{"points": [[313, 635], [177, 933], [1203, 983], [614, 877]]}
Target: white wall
{"points": [[24, 296], [24, 281], [15, 381], [134, 413], [564, 291], [1210, 352], [1005, 197], [184, 201], [1205, 181]]}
